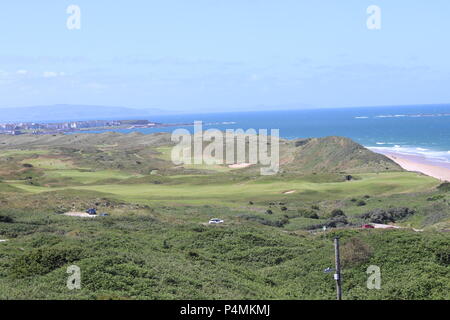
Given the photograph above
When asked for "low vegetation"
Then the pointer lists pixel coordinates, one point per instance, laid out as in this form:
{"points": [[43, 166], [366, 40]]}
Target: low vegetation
{"points": [[156, 243]]}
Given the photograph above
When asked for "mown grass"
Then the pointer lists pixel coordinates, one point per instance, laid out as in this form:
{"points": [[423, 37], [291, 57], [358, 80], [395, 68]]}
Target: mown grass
{"points": [[230, 193], [88, 176]]}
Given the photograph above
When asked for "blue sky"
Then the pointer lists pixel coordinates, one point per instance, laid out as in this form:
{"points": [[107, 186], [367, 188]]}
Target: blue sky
{"points": [[223, 55]]}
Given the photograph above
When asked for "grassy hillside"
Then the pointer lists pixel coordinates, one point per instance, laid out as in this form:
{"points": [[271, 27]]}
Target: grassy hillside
{"points": [[156, 242], [330, 154], [337, 154]]}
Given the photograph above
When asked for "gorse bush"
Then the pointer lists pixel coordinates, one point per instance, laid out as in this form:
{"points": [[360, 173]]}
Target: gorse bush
{"points": [[436, 197], [337, 213], [6, 219], [277, 223], [444, 187], [43, 260], [443, 255], [361, 203], [386, 216], [305, 213], [355, 252]]}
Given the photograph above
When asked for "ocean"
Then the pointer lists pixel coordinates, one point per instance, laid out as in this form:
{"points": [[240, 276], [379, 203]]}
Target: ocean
{"points": [[411, 130]]}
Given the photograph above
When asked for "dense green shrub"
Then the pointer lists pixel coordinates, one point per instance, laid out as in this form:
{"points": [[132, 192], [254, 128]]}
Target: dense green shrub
{"points": [[278, 223], [443, 255], [361, 203], [444, 187], [305, 213], [355, 252], [436, 197], [337, 213], [386, 216], [43, 260], [6, 219], [335, 222]]}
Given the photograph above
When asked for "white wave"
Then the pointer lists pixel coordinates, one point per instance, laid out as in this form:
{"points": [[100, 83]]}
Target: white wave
{"points": [[361, 117], [418, 115]]}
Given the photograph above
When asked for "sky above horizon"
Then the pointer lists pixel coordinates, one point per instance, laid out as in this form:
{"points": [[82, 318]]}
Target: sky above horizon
{"points": [[232, 55]]}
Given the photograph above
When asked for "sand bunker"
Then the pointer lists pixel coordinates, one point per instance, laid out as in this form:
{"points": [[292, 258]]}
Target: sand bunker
{"points": [[79, 214], [239, 165], [384, 226], [289, 192]]}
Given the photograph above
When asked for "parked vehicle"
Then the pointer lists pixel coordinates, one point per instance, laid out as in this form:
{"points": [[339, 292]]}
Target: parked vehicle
{"points": [[91, 211]]}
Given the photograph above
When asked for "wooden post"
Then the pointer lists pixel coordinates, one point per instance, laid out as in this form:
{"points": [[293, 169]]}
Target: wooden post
{"points": [[337, 275]]}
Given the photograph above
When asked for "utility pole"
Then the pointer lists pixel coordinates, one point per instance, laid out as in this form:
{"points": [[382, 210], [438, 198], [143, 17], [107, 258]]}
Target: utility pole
{"points": [[337, 275]]}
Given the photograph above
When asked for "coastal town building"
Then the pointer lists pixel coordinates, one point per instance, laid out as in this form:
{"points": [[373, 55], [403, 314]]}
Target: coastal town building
{"points": [[47, 128]]}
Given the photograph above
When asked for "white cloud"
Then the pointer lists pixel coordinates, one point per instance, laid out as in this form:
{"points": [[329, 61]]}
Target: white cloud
{"points": [[22, 72], [52, 74]]}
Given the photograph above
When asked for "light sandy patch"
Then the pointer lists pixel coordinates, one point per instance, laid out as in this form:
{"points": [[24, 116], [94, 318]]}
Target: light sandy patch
{"points": [[289, 192], [79, 214], [437, 172], [239, 165]]}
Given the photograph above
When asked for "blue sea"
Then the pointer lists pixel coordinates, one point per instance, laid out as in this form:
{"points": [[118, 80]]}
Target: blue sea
{"points": [[412, 130]]}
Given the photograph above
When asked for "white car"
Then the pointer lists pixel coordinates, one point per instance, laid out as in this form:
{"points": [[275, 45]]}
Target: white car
{"points": [[215, 221]]}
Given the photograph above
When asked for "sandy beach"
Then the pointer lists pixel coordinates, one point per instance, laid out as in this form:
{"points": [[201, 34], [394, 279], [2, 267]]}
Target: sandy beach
{"points": [[424, 165]]}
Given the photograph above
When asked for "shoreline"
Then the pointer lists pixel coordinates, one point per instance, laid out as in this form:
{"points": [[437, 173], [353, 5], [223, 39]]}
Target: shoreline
{"points": [[416, 163]]}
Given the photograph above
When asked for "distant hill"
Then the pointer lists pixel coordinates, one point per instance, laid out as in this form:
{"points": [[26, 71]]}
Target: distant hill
{"points": [[312, 155], [334, 154], [67, 112]]}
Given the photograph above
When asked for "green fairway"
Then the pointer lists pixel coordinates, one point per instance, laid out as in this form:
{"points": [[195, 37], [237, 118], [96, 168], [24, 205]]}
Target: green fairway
{"points": [[236, 193], [86, 177], [165, 154]]}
